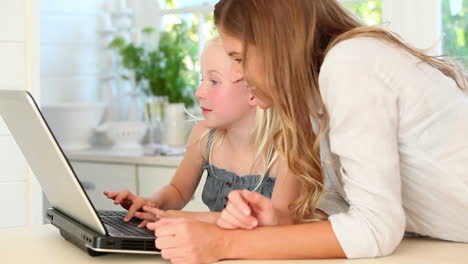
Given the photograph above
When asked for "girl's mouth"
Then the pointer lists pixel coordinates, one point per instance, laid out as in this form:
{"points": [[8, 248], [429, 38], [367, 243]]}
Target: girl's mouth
{"points": [[205, 110]]}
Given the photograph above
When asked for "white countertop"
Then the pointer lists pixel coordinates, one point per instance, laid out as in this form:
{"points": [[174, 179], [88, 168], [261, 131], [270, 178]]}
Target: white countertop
{"points": [[43, 244], [122, 157]]}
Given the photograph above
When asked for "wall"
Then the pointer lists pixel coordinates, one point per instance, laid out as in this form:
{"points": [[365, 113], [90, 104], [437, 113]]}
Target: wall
{"points": [[417, 21], [69, 51], [20, 193]]}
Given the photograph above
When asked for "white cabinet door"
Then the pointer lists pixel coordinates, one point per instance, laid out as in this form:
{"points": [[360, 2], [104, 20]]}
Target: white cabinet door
{"points": [[99, 177], [151, 179]]}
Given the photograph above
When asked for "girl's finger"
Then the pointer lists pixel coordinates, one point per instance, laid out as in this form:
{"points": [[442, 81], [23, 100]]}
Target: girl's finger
{"points": [[120, 197], [111, 195], [131, 212]]}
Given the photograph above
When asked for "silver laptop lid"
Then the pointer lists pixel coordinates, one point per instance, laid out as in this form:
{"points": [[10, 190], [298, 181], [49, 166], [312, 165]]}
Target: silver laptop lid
{"points": [[46, 159]]}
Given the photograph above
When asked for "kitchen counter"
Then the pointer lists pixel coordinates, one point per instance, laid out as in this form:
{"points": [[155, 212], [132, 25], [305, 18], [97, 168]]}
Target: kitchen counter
{"points": [[122, 157], [43, 244]]}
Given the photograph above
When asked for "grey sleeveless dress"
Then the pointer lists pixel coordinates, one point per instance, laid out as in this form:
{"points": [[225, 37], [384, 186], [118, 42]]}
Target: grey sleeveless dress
{"points": [[219, 183]]}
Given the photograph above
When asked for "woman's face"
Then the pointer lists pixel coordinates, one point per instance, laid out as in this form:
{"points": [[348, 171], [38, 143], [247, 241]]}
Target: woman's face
{"points": [[253, 72]]}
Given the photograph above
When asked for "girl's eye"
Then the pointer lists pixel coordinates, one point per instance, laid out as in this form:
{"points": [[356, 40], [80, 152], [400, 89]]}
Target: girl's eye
{"points": [[238, 60], [214, 82]]}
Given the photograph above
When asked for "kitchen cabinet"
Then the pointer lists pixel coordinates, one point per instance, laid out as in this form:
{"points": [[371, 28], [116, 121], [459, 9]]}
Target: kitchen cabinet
{"points": [[151, 178], [111, 171], [98, 177]]}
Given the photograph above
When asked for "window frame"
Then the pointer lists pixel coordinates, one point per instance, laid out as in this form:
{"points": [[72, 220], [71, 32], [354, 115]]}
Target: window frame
{"points": [[422, 30]]}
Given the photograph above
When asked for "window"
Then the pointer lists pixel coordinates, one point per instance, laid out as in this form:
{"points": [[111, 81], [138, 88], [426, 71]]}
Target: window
{"points": [[455, 28], [370, 12], [197, 15]]}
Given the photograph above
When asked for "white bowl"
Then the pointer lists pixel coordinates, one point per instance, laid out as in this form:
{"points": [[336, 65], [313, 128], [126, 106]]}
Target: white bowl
{"points": [[125, 134], [73, 124]]}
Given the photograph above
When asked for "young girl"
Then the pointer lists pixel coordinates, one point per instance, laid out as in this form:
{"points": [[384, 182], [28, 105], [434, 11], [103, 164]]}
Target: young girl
{"points": [[222, 144], [388, 133]]}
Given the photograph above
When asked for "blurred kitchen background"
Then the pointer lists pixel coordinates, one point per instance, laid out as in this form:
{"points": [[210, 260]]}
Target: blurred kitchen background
{"points": [[86, 62]]}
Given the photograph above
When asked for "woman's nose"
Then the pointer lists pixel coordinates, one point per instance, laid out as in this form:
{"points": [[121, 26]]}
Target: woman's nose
{"points": [[237, 73]]}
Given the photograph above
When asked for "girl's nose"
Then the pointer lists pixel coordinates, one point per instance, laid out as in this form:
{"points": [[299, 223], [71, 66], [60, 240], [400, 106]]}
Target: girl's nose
{"points": [[201, 91]]}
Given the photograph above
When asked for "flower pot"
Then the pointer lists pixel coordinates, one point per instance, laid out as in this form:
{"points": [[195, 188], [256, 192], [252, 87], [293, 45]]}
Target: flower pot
{"points": [[174, 129], [155, 107]]}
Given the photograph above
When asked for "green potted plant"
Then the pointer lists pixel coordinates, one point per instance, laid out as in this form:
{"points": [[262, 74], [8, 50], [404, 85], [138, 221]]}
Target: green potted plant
{"points": [[166, 69], [164, 72]]}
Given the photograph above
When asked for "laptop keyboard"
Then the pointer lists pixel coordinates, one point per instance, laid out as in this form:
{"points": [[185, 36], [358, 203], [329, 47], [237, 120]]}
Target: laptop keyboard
{"points": [[114, 219]]}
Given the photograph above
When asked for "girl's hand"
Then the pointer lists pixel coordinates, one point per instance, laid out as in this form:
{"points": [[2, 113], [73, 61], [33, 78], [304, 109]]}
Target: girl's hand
{"points": [[247, 210], [129, 201]]}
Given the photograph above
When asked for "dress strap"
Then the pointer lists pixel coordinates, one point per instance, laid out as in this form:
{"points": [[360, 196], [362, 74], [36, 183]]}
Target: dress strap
{"points": [[209, 143]]}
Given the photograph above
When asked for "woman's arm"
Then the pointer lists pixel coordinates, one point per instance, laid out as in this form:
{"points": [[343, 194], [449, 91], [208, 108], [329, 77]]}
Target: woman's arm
{"points": [[185, 240], [302, 241], [360, 82]]}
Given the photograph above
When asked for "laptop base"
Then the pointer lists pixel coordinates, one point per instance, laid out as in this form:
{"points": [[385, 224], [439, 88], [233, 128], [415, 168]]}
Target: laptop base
{"points": [[96, 244], [70, 238]]}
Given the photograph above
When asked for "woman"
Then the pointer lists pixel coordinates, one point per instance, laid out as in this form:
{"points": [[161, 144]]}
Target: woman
{"points": [[387, 134]]}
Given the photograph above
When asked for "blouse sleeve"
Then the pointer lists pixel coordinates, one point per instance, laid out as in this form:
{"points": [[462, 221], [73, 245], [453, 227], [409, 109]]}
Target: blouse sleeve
{"points": [[363, 111]]}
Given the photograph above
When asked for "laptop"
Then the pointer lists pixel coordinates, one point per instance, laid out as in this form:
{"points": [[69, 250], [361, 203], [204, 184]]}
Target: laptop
{"points": [[72, 212]]}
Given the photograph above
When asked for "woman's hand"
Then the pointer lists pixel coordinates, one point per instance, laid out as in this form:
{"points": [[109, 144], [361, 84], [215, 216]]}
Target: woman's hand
{"points": [[247, 210], [129, 201], [183, 240]]}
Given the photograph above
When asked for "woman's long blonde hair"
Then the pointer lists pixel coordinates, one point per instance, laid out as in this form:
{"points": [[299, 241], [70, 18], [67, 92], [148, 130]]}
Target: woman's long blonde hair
{"points": [[294, 36]]}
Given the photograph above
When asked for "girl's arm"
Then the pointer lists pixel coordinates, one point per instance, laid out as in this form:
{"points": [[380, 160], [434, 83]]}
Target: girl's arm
{"points": [[179, 191]]}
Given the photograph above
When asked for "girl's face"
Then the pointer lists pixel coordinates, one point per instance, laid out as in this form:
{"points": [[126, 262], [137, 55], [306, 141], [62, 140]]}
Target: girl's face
{"points": [[252, 72], [223, 102]]}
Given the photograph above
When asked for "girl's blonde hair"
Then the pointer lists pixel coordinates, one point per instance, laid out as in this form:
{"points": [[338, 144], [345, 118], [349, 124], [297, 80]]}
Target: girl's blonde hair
{"points": [[262, 136], [293, 38]]}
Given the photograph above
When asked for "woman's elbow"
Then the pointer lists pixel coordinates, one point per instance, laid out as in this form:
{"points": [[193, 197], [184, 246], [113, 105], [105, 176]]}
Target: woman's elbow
{"points": [[389, 237]]}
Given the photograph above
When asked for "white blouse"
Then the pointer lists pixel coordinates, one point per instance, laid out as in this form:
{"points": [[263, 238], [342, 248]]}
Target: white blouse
{"points": [[396, 158]]}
